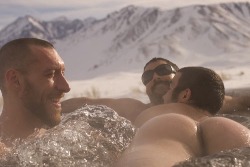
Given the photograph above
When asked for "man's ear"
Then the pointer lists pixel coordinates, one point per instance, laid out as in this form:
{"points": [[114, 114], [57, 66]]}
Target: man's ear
{"points": [[185, 95], [12, 78]]}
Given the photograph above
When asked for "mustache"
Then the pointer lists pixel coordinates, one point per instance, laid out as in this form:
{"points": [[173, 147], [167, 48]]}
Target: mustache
{"points": [[57, 95], [161, 82]]}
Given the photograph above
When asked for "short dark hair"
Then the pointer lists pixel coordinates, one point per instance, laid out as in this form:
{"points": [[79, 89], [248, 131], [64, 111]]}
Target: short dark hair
{"points": [[207, 88], [16, 54], [163, 59]]}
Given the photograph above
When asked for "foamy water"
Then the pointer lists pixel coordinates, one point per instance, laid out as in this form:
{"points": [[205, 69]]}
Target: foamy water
{"points": [[93, 136]]}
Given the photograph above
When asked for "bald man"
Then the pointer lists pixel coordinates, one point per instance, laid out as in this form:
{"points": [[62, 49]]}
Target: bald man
{"points": [[32, 83]]}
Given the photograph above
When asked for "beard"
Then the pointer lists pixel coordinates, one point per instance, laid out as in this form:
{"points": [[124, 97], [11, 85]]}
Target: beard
{"points": [[174, 97], [40, 106], [159, 89]]}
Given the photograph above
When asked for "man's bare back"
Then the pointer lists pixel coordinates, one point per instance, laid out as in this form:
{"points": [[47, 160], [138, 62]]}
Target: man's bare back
{"points": [[185, 127], [167, 109], [183, 134]]}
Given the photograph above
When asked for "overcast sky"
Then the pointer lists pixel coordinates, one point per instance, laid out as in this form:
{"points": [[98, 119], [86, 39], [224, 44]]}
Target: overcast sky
{"points": [[46, 10]]}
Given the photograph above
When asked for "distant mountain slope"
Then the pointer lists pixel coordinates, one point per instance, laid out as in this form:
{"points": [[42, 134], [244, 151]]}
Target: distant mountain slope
{"points": [[125, 40], [29, 26]]}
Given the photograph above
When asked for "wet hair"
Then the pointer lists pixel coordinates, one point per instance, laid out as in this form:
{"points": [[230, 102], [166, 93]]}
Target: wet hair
{"points": [[207, 88], [163, 59], [16, 54]]}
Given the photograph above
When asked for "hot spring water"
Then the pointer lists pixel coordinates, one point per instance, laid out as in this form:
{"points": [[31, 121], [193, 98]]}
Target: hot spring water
{"points": [[92, 136], [95, 136]]}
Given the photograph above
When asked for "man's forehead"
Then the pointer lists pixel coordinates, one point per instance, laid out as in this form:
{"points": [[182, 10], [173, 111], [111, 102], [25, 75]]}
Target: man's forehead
{"points": [[47, 57]]}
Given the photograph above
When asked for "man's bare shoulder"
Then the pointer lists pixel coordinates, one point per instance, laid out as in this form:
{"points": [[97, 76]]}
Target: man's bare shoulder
{"points": [[130, 101], [80, 101], [159, 110], [125, 107], [236, 105], [220, 133], [128, 107]]}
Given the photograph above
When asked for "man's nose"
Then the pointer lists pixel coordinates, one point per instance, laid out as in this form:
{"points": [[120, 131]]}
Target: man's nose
{"points": [[63, 85], [156, 76]]}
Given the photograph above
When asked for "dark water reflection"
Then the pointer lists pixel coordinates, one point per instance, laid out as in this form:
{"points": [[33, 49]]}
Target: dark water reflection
{"points": [[93, 136]]}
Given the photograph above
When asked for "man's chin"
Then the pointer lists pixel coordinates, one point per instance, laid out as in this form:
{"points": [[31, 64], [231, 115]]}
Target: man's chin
{"points": [[158, 95], [160, 89], [54, 122], [54, 116], [157, 100]]}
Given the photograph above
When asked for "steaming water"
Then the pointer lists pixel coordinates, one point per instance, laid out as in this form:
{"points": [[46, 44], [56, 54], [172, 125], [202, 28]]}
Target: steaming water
{"points": [[92, 136]]}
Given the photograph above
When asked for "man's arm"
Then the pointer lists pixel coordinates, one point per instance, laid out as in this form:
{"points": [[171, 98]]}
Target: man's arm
{"points": [[72, 104], [236, 105], [125, 107]]}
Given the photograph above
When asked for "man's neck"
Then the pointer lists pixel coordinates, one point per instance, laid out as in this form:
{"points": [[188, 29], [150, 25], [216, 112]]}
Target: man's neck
{"points": [[156, 101], [18, 124]]}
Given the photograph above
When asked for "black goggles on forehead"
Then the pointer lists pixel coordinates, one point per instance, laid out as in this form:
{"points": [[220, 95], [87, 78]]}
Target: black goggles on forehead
{"points": [[161, 70]]}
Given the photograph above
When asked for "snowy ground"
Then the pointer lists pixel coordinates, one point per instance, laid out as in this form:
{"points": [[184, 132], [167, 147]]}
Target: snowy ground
{"points": [[129, 84], [124, 84]]}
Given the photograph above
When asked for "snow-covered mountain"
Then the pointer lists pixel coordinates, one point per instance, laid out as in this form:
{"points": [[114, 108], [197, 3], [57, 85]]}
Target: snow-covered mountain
{"points": [[214, 36], [29, 26]]}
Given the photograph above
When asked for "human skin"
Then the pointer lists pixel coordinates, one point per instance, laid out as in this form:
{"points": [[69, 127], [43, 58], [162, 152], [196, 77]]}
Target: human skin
{"points": [[127, 107], [33, 95], [174, 132]]}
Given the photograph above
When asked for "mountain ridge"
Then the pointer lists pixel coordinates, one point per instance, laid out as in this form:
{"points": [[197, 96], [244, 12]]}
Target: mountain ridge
{"points": [[126, 39]]}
